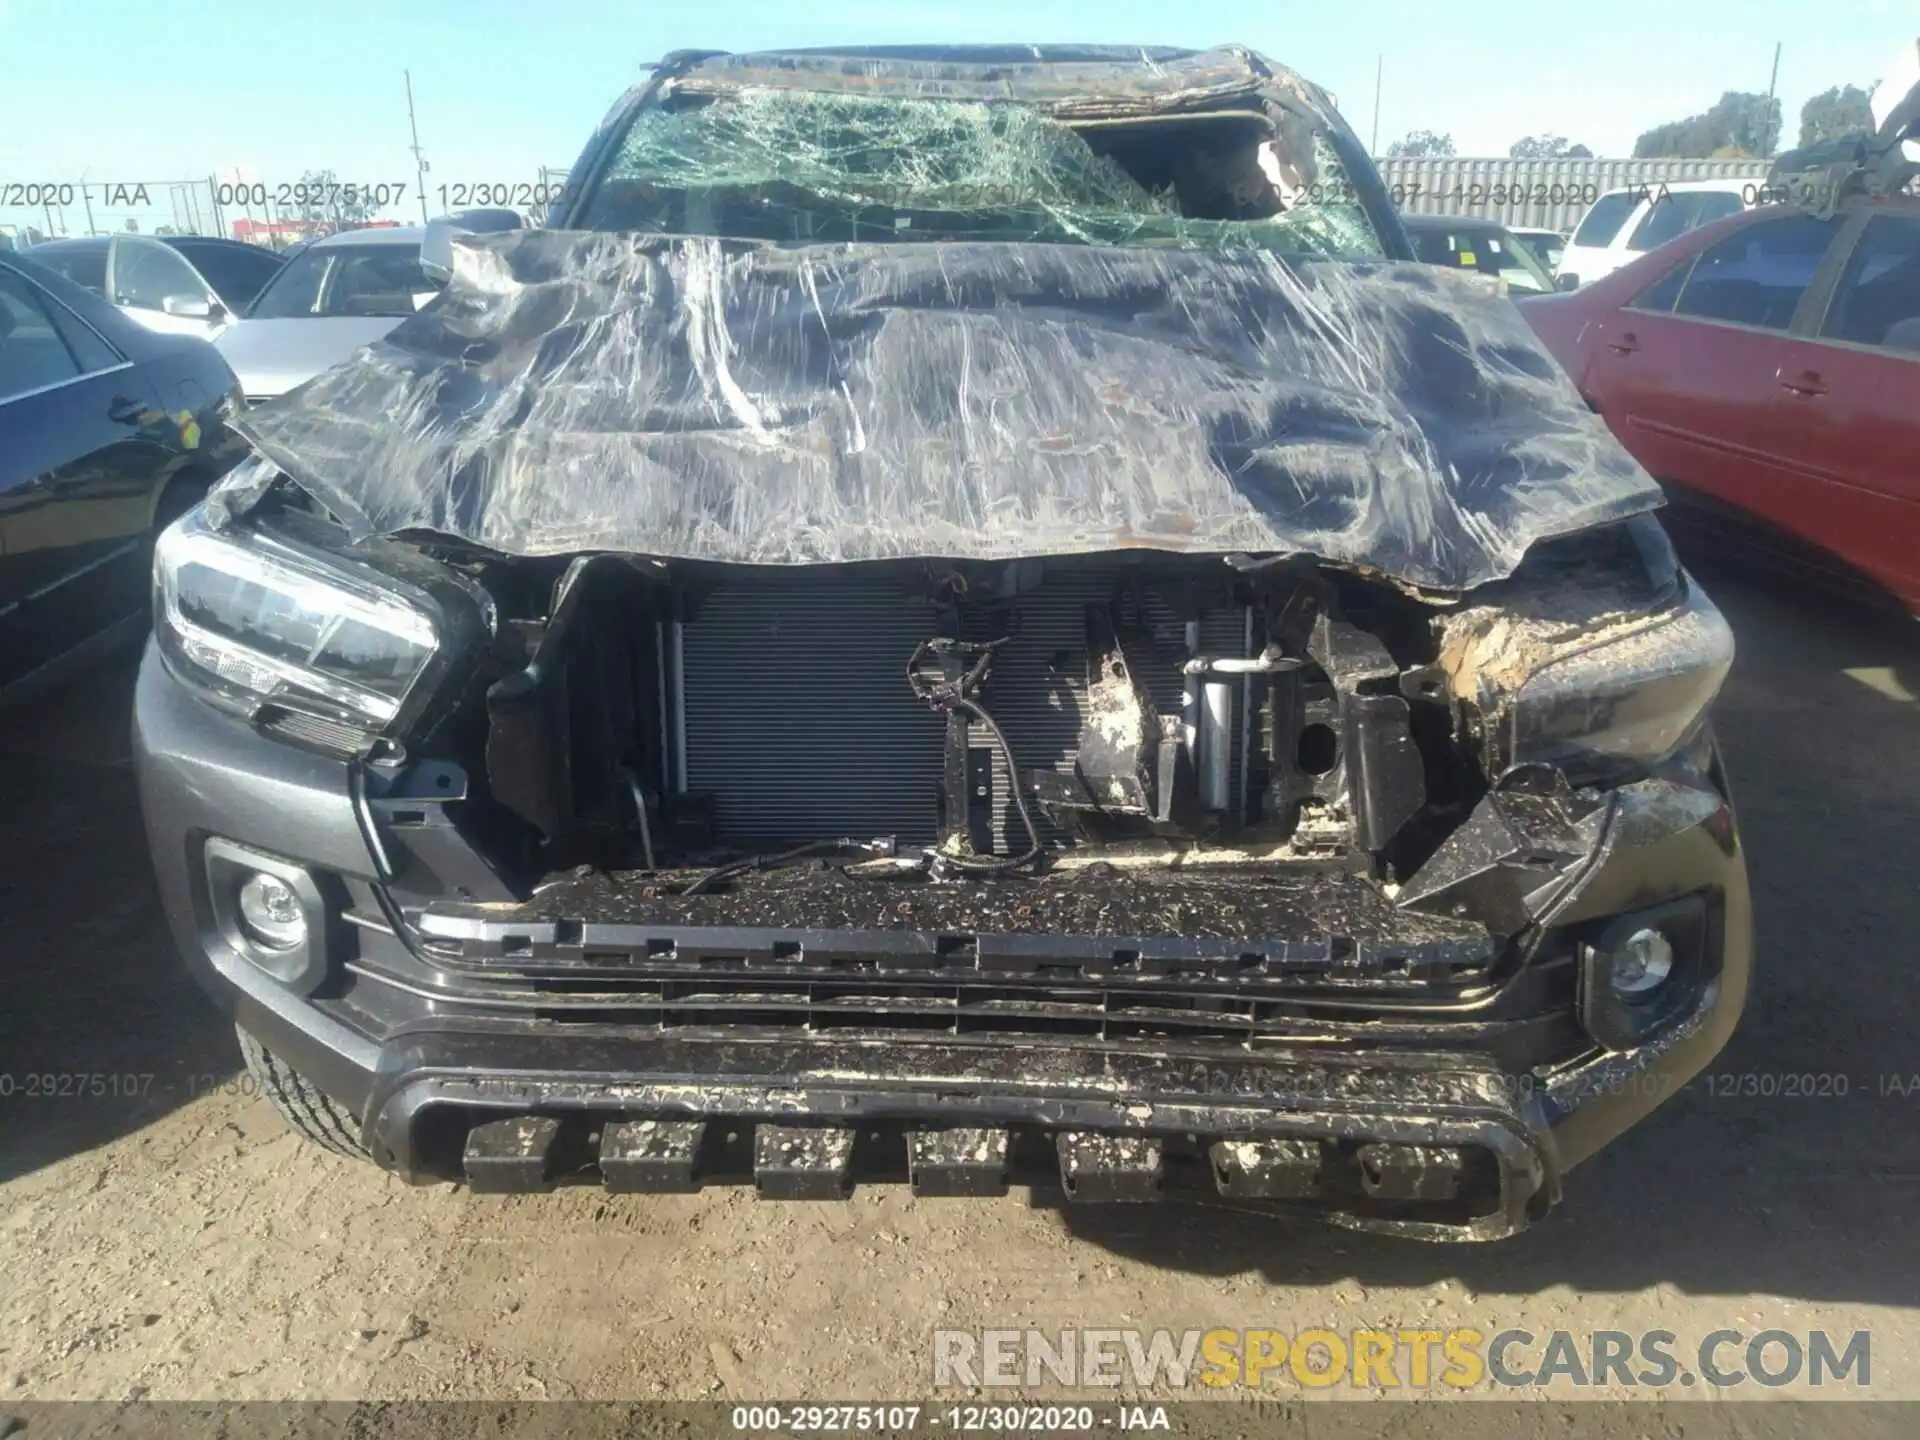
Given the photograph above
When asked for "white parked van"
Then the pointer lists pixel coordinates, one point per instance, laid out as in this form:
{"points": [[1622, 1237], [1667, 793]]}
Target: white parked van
{"points": [[1624, 224]]}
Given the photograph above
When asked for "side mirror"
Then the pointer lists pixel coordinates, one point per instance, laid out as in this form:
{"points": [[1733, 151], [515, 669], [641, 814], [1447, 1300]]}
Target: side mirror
{"points": [[189, 307], [1566, 282], [436, 246]]}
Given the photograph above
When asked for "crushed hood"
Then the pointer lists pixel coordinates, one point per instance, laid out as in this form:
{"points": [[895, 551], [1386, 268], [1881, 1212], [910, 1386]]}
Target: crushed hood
{"points": [[726, 401]]}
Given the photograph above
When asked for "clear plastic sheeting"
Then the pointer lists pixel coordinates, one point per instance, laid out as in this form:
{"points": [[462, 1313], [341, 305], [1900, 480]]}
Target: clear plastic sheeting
{"points": [[726, 401]]}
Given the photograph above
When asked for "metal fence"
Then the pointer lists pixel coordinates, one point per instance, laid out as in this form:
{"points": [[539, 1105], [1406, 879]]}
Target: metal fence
{"points": [[266, 213], [54, 209], [1549, 194], [1540, 194]]}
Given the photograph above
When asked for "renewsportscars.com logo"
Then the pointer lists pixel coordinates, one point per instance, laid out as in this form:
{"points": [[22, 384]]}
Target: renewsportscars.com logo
{"points": [[1379, 1359]]}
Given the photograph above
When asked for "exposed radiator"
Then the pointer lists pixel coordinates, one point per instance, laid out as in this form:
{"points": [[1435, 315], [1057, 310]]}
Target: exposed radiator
{"points": [[801, 726]]}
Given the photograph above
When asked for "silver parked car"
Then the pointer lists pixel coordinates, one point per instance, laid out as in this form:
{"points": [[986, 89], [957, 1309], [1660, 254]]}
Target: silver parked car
{"points": [[336, 295]]}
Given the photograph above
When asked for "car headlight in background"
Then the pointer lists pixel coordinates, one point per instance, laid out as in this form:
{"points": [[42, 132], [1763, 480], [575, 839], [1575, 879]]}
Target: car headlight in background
{"points": [[1628, 695], [253, 620]]}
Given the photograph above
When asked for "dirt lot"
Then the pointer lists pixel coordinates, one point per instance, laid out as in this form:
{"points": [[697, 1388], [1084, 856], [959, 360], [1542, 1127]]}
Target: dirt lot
{"points": [[179, 1243]]}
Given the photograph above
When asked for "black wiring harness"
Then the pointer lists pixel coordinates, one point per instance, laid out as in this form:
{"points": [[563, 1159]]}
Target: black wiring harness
{"points": [[945, 696], [732, 868]]}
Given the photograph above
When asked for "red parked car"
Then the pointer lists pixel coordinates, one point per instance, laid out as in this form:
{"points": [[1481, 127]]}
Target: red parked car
{"points": [[1766, 368]]}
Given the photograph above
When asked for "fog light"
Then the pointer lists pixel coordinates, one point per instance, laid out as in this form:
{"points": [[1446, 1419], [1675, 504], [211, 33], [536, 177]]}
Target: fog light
{"points": [[1645, 970], [1641, 963], [271, 912]]}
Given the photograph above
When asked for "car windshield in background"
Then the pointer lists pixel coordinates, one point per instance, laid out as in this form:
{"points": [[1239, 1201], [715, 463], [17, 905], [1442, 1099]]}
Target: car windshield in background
{"points": [[1604, 220], [1547, 249], [1671, 216], [84, 266], [799, 167], [237, 273], [334, 281], [1488, 251]]}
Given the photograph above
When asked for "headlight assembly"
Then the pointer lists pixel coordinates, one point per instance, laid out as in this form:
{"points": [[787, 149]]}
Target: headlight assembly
{"points": [[1628, 694], [258, 620]]}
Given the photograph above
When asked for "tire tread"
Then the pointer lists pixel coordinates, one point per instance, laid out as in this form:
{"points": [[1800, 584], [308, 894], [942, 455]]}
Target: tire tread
{"points": [[305, 1109]]}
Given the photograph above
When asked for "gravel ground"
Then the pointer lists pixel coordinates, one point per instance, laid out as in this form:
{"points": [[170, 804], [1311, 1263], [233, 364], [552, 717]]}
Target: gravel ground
{"points": [[178, 1243]]}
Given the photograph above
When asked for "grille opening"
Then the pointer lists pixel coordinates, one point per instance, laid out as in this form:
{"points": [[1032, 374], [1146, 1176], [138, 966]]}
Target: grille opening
{"points": [[743, 712], [1319, 749]]}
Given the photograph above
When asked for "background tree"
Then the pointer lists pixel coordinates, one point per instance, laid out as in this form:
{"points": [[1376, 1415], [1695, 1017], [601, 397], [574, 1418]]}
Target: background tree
{"points": [[1835, 114], [1741, 122], [1421, 142], [1547, 147], [324, 201], [1753, 121]]}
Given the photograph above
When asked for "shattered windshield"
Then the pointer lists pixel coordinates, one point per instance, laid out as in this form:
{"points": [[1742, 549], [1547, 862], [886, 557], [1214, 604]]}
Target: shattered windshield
{"points": [[805, 167]]}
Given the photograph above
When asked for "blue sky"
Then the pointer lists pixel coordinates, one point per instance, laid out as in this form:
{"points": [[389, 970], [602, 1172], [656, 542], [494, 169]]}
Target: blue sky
{"points": [[133, 90]]}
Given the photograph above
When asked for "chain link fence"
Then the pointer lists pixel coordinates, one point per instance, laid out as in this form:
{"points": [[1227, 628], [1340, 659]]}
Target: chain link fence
{"points": [[269, 214], [1547, 194], [1539, 194], [54, 209]]}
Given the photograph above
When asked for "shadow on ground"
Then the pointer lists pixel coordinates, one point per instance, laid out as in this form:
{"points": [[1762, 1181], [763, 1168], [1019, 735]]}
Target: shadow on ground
{"points": [[101, 1032], [1721, 1191]]}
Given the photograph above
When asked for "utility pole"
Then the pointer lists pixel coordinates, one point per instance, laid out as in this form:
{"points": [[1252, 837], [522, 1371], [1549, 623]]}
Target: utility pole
{"points": [[1773, 80], [419, 160], [1379, 71], [86, 197]]}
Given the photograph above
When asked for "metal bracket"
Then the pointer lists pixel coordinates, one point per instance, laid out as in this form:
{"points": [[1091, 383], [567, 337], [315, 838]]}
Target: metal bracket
{"points": [[1096, 1168], [651, 1156], [957, 1162], [511, 1156], [802, 1163]]}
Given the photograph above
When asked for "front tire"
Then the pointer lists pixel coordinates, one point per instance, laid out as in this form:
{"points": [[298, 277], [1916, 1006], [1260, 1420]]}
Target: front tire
{"points": [[306, 1110]]}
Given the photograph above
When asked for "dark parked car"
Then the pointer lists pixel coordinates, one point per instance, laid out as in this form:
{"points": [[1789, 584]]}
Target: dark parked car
{"points": [[1766, 369], [106, 432], [815, 669]]}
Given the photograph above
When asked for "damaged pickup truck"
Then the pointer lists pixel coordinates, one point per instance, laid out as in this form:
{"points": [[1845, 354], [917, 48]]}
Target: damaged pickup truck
{"points": [[967, 617]]}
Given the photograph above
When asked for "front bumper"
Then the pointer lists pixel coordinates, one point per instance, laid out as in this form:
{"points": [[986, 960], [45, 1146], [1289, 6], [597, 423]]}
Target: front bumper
{"points": [[1349, 1079]]}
